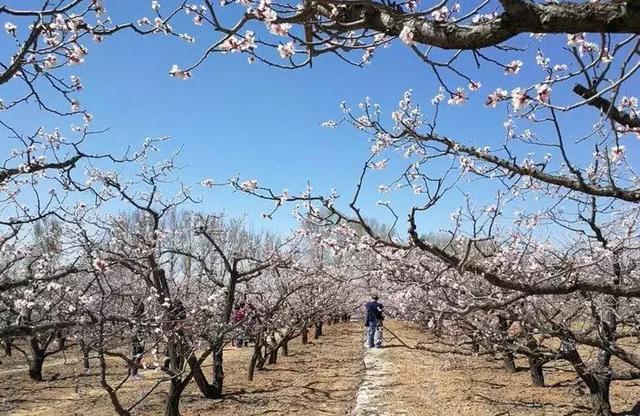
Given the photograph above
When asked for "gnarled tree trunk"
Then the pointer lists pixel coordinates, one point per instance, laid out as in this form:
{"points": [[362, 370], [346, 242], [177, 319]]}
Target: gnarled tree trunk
{"points": [[36, 362], [598, 380], [536, 371], [172, 406]]}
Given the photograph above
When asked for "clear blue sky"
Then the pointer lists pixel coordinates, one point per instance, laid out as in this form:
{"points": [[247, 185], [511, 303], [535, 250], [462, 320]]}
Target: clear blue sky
{"points": [[235, 118]]}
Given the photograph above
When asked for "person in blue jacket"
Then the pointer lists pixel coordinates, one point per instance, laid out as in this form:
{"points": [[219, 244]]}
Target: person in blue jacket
{"points": [[373, 322]]}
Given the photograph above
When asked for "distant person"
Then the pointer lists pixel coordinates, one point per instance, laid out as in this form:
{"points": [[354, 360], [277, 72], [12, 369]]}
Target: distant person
{"points": [[373, 322], [238, 318]]}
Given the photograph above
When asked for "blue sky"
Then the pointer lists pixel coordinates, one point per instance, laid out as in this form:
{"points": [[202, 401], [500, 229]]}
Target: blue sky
{"points": [[235, 118]]}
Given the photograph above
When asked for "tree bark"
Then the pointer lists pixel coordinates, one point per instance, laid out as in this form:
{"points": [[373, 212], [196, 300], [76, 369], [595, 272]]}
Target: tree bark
{"points": [[318, 330], [7, 347], [85, 355], [509, 363], [598, 380], [305, 335], [36, 361], [207, 390], [252, 365], [273, 356], [35, 367], [507, 357], [536, 371], [600, 402], [218, 371], [255, 358], [172, 406], [518, 16], [285, 346]]}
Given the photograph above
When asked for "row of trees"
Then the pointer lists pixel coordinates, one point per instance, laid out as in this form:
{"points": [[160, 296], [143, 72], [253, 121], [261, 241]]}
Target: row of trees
{"points": [[155, 287], [545, 268]]}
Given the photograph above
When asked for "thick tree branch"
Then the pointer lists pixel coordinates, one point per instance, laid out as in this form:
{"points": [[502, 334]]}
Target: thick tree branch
{"points": [[518, 17], [607, 107]]}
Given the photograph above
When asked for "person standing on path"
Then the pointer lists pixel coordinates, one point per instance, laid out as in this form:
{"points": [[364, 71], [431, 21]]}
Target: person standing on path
{"points": [[373, 322]]}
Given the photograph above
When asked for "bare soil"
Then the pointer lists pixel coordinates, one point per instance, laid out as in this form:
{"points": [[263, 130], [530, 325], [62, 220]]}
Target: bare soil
{"points": [[315, 379], [323, 378], [429, 384]]}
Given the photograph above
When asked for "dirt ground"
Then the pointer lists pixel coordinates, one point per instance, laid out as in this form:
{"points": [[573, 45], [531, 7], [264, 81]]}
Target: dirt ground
{"points": [[323, 379], [427, 384], [317, 379]]}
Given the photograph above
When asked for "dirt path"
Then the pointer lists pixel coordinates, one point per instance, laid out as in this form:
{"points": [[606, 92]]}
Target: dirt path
{"points": [[332, 376], [370, 397]]}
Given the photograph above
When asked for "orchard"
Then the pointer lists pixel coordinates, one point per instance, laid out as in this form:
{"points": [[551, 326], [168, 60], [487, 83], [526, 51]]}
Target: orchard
{"points": [[185, 229]]}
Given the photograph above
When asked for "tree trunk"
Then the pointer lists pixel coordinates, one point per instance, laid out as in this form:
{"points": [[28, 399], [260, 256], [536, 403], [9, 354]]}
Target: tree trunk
{"points": [[305, 335], [35, 366], [318, 331], [62, 341], [252, 365], [475, 346], [257, 355], [207, 390], [85, 355], [137, 349], [598, 379], [509, 363], [37, 359], [7, 347], [172, 407], [600, 402], [285, 346], [262, 359], [536, 371], [273, 356], [218, 371], [507, 357]]}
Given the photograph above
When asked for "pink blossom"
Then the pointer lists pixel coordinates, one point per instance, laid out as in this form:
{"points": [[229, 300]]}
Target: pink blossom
{"points": [[380, 165], [513, 67], [249, 185], [287, 50], [178, 73], [75, 105], [440, 15], [458, 97], [77, 54], [628, 102], [495, 97], [519, 98], [617, 153], [280, 29], [10, 28], [100, 265], [406, 35], [474, 86], [544, 92]]}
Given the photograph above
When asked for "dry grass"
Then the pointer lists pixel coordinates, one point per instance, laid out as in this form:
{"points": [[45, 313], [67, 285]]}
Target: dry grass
{"points": [[316, 379], [322, 379], [425, 384]]}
